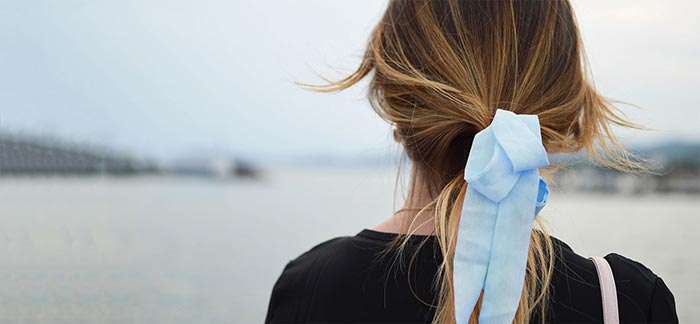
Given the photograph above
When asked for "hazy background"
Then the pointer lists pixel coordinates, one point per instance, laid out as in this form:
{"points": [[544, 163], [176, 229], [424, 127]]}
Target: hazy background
{"points": [[162, 167], [164, 78]]}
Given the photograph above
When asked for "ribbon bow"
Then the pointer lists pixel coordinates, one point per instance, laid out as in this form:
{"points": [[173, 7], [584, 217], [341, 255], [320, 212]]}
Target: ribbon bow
{"points": [[504, 194]]}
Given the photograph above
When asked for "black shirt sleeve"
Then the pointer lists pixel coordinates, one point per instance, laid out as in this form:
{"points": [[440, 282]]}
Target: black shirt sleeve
{"points": [[294, 296], [575, 291], [643, 297], [278, 301], [663, 306]]}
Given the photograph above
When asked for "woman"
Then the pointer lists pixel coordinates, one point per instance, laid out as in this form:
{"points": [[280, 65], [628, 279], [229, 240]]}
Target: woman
{"points": [[454, 78]]}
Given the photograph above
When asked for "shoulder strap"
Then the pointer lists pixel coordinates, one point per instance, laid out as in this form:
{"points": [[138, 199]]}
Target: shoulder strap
{"points": [[608, 291]]}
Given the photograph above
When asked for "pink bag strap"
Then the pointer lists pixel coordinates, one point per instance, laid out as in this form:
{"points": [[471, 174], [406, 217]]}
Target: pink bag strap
{"points": [[608, 291]]}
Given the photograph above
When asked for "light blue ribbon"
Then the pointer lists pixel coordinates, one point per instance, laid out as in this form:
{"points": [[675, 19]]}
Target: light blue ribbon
{"points": [[504, 195]]}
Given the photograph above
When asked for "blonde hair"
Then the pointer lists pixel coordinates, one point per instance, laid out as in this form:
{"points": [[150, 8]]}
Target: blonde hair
{"points": [[440, 69]]}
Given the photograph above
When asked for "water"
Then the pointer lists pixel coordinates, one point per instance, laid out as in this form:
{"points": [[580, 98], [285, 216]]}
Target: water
{"points": [[177, 250]]}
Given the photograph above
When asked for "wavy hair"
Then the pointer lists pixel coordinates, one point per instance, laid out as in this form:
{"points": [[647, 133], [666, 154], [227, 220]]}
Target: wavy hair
{"points": [[438, 71]]}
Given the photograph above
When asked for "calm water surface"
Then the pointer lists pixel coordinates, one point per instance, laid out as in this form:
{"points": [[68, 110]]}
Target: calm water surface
{"points": [[177, 250]]}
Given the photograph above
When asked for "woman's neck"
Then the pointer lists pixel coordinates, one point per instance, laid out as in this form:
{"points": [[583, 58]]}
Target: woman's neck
{"points": [[409, 219]]}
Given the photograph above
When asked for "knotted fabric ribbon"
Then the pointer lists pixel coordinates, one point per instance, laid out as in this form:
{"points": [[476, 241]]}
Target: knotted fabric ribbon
{"points": [[504, 194]]}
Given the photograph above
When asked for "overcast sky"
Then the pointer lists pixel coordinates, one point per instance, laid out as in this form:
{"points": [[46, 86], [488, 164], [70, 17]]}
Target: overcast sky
{"points": [[167, 77]]}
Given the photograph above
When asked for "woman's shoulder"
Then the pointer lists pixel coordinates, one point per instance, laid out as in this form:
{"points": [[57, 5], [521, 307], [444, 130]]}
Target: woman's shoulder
{"points": [[355, 279], [638, 286], [642, 295], [322, 279], [345, 253], [321, 261], [334, 254]]}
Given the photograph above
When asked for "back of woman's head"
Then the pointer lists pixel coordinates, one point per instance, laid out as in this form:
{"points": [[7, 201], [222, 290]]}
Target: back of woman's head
{"points": [[439, 70]]}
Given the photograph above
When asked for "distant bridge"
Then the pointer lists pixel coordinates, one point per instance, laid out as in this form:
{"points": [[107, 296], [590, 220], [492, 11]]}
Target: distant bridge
{"points": [[32, 156]]}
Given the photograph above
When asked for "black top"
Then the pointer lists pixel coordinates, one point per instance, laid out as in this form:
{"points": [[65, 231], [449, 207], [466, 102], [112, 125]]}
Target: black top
{"points": [[347, 280]]}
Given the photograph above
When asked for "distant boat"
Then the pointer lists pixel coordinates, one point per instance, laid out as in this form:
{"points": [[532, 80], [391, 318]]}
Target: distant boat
{"points": [[214, 167], [244, 170]]}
